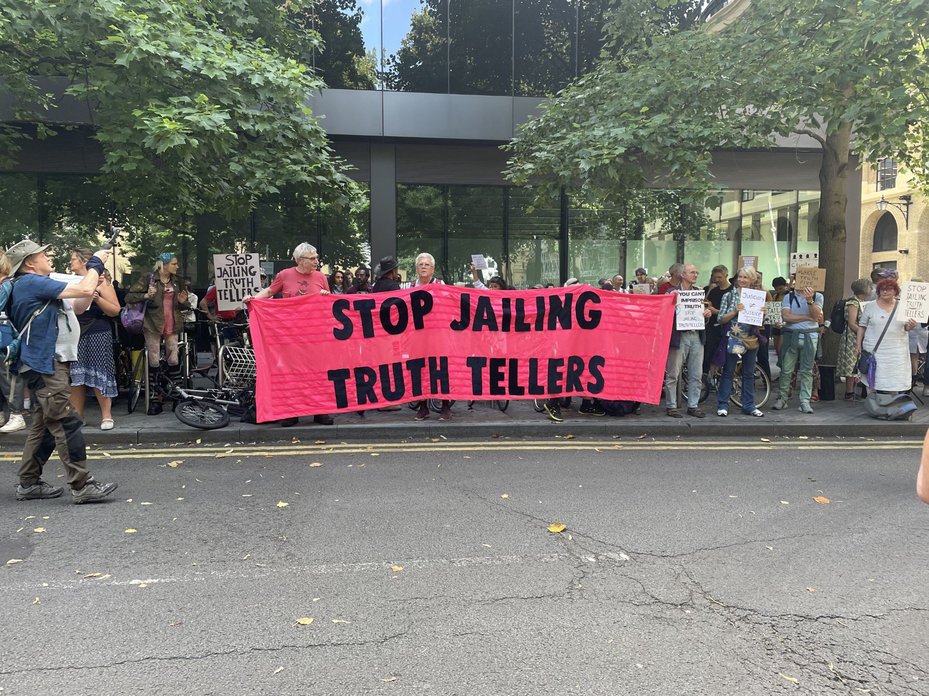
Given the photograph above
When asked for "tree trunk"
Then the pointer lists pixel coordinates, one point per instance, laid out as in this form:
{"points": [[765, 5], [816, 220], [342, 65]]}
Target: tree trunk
{"points": [[833, 199]]}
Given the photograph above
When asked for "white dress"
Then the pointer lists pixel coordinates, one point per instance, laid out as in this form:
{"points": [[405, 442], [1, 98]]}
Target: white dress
{"points": [[893, 355]]}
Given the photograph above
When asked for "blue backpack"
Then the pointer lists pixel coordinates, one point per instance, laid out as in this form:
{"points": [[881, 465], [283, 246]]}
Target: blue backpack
{"points": [[10, 336]]}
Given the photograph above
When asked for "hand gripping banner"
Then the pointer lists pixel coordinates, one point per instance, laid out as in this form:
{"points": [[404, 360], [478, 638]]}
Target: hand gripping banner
{"points": [[339, 353]]}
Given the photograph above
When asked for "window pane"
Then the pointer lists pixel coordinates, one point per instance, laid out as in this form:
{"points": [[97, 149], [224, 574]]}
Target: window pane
{"points": [[18, 208], [767, 232], [475, 226], [595, 244], [351, 36], [716, 244], [420, 226], [533, 240]]}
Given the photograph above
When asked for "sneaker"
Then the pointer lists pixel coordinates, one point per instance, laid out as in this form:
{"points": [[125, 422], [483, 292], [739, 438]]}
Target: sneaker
{"points": [[323, 419], [780, 404], [696, 412], [757, 413], [554, 412], [154, 409], [92, 491], [805, 407], [722, 413], [423, 412], [38, 491], [674, 413], [446, 413], [591, 411], [16, 422]]}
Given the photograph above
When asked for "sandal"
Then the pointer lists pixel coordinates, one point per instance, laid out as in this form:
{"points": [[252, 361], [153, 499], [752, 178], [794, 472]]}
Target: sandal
{"points": [[107, 424]]}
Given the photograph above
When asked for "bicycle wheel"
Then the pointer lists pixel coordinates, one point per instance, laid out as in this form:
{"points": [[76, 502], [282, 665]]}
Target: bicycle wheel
{"points": [[538, 405], [762, 387], [436, 405], [201, 413], [501, 404]]}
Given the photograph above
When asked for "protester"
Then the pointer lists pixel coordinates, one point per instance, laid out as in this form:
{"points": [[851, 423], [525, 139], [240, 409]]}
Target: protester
{"points": [[303, 279], [719, 285], [619, 284], [495, 283], [686, 348], [802, 315], [764, 331], [672, 279], [881, 317], [848, 351], [360, 285], [166, 301], [781, 288], [95, 368], [11, 405], [48, 344], [731, 305], [386, 275], [641, 277], [425, 275], [337, 282]]}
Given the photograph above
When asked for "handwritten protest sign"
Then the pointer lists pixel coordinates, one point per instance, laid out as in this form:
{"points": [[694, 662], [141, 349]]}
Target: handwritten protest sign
{"points": [[811, 277], [798, 259], [775, 313], [915, 300], [440, 341], [753, 301], [237, 277], [641, 289], [479, 261], [689, 312], [748, 262]]}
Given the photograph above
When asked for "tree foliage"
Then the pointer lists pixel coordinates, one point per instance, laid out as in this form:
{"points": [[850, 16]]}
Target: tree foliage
{"points": [[655, 116], [199, 105]]}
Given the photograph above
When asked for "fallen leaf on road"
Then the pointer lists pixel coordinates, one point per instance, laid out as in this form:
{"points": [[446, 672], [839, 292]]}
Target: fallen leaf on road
{"points": [[784, 502], [505, 496], [557, 527], [341, 621], [802, 437], [305, 621], [295, 440], [14, 561], [278, 670], [374, 454], [94, 575], [319, 442], [282, 504], [642, 436], [106, 454], [396, 568], [315, 465], [176, 463], [132, 531], [39, 530], [36, 601], [811, 589], [569, 436], [144, 503], [389, 679], [766, 439], [790, 679], [198, 440], [821, 499]]}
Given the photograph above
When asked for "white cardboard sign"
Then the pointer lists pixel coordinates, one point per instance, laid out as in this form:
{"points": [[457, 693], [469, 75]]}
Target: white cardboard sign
{"points": [[915, 300], [237, 277], [689, 314], [753, 301]]}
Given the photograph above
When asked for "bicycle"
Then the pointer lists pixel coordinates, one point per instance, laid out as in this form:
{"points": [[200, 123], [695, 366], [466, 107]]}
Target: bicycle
{"points": [[500, 404]]}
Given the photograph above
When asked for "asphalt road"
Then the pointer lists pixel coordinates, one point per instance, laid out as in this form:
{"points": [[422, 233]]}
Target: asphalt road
{"points": [[684, 568]]}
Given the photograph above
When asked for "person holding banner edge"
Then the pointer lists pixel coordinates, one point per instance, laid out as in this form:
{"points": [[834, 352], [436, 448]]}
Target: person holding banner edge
{"points": [[303, 279], [425, 275]]}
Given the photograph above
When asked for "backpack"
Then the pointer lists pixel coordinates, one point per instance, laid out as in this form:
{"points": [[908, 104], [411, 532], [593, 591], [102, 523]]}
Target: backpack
{"points": [[837, 318], [10, 336]]}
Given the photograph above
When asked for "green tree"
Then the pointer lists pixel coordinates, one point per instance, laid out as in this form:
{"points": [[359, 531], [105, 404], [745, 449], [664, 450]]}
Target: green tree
{"points": [[340, 61], [851, 74], [199, 105]]}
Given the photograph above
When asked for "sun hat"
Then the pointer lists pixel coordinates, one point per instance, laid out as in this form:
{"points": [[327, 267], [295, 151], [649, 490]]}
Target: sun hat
{"points": [[21, 250]]}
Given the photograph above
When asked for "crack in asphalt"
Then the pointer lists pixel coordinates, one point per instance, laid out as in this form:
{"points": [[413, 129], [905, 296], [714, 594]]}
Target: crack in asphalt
{"points": [[208, 655]]}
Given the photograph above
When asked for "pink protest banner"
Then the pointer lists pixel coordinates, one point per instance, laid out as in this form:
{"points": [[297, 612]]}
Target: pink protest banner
{"points": [[337, 353]]}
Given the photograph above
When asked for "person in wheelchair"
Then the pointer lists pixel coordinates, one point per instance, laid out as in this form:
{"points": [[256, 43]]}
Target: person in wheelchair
{"points": [[167, 300]]}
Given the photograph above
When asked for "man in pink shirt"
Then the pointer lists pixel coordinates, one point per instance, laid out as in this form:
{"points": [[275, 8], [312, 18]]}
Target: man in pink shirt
{"points": [[303, 279]]}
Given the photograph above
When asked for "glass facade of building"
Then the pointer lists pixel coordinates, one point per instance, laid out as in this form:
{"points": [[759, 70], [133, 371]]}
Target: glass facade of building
{"points": [[526, 241]]}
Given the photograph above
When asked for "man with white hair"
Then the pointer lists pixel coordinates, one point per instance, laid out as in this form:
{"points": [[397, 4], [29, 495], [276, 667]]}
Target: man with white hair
{"points": [[303, 279]]}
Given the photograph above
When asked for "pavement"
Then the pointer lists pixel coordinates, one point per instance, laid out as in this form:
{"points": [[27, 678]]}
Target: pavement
{"points": [[830, 419]]}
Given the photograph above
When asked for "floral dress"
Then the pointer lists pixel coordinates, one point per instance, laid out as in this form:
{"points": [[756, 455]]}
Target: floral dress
{"points": [[847, 355]]}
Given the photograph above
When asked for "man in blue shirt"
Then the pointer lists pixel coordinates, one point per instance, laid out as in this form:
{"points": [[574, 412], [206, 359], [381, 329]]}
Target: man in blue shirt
{"points": [[48, 345], [803, 315]]}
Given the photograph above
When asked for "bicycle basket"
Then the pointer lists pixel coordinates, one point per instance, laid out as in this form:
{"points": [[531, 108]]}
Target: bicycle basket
{"points": [[238, 366]]}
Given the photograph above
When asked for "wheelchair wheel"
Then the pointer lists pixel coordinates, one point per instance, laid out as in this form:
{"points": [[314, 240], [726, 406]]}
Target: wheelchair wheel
{"points": [[538, 405], [201, 413]]}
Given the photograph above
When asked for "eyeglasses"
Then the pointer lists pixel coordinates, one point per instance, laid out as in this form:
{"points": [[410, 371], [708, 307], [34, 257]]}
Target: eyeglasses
{"points": [[309, 258]]}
